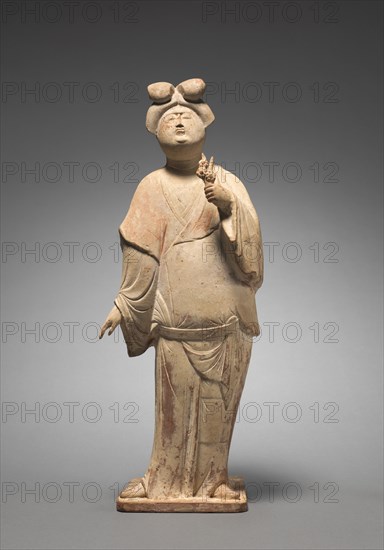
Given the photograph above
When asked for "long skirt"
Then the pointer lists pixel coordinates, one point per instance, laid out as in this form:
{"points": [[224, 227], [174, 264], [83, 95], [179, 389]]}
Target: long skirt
{"points": [[198, 390]]}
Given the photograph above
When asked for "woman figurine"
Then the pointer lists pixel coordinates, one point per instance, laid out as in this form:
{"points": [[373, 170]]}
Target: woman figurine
{"points": [[193, 261]]}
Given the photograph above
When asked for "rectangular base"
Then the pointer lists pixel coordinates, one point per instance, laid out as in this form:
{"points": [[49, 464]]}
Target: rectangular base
{"points": [[190, 504]]}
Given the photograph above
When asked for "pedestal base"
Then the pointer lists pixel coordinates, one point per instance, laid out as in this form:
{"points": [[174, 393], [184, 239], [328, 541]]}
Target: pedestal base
{"points": [[191, 504]]}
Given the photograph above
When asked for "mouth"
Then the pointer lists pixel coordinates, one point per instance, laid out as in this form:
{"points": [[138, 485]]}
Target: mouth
{"points": [[180, 131]]}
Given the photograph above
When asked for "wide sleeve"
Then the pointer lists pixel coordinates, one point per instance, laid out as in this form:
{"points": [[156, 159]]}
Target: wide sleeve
{"points": [[242, 239], [136, 298]]}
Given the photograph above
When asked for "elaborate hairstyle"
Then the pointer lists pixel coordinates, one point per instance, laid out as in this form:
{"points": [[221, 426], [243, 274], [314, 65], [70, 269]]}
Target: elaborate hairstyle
{"points": [[165, 96]]}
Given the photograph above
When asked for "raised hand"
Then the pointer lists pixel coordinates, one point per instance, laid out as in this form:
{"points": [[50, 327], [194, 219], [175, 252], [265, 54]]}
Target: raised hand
{"points": [[214, 191]]}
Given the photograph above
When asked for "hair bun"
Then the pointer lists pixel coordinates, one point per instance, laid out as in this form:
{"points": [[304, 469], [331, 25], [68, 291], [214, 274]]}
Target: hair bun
{"points": [[160, 92], [192, 89]]}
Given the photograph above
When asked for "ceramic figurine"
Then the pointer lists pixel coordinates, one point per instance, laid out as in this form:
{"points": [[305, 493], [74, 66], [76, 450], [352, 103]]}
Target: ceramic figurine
{"points": [[192, 263]]}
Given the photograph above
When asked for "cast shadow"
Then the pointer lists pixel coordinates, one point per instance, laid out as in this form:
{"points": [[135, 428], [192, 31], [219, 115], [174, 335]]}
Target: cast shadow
{"points": [[269, 484]]}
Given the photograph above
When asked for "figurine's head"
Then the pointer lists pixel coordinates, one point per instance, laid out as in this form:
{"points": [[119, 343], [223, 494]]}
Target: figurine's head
{"points": [[178, 117]]}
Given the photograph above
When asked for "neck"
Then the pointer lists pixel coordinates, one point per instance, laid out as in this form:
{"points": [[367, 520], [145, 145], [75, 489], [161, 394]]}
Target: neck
{"points": [[187, 166]]}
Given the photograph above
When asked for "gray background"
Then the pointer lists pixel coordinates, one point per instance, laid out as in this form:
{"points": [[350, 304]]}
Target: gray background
{"points": [[337, 376]]}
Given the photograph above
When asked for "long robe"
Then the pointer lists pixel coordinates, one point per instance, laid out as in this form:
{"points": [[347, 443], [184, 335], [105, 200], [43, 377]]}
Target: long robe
{"points": [[188, 287]]}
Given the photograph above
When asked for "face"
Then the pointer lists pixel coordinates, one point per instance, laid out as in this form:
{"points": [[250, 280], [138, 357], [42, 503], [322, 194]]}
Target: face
{"points": [[179, 128]]}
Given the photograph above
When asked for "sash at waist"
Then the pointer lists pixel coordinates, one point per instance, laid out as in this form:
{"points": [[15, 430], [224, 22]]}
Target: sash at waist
{"points": [[218, 332]]}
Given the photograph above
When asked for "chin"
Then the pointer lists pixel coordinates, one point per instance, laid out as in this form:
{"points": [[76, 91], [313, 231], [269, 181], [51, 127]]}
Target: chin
{"points": [[180, 149]]}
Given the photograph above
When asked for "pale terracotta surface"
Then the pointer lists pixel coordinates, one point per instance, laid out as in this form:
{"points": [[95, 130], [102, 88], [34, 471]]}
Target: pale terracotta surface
{"points": [[193, 262], [220, 503]]}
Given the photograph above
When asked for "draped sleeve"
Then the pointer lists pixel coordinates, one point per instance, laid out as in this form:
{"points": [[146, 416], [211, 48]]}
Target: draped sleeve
{"points": [[141, 239], [241, 233], [136, 298]]}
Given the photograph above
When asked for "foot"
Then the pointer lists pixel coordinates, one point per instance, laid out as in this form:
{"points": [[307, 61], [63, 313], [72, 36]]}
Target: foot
{"points": [[227, 491], [134, 489]]}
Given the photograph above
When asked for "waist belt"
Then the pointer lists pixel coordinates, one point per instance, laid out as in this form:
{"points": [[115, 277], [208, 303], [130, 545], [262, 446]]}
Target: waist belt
{"points": [[218, 332]]}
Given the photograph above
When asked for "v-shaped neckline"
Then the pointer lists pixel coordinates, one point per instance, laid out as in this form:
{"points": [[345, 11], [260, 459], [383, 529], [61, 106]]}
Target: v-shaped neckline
{"points": [[176, 205]]}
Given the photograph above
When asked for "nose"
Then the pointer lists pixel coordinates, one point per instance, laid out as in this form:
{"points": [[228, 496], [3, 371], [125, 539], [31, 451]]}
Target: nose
{"points": [[179, 122]]}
